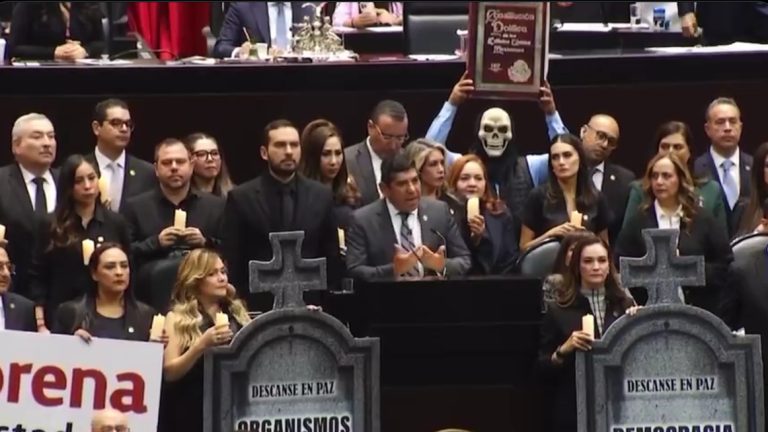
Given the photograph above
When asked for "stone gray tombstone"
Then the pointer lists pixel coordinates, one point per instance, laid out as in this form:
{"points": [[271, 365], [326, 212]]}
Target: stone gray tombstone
{"points": [[671, 367], [292, 369]]}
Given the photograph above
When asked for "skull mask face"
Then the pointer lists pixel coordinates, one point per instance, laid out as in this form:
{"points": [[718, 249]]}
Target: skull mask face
{"points": [[495, 131]]}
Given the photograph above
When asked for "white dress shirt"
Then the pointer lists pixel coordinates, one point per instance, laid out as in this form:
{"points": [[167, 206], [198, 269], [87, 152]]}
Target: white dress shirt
{"points": [[413, 224], [2, 315], [733, 172], [597, 176], [115, 194], [376, 163], [272, 8], [669, 221], [49, 186]]}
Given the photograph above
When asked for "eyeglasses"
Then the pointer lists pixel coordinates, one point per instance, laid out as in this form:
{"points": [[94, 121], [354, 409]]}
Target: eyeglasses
{"points": [[205, 154], [119, 123], [390, 137], [611, 140], [8, 266]]}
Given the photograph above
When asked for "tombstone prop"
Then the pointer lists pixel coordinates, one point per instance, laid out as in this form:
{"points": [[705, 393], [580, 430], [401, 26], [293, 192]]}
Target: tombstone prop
{"points": [[671, 367], [292, 369]]}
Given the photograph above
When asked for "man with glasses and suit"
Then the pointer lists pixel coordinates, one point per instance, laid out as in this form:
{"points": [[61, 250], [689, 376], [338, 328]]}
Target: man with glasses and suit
{"points": [[16, 312]]}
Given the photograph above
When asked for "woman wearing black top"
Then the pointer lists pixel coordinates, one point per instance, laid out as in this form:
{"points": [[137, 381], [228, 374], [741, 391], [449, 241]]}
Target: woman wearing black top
{"points": [[108, 309], [750, 215], [210, 170], [56, 30], [201, 291], [589, 287], [58, 274], [549, 208]]}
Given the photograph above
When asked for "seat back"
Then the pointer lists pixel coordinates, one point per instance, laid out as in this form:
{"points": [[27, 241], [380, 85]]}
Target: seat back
{"points": [[156, 280], [430, 27], [539, 260], [745, 247]]}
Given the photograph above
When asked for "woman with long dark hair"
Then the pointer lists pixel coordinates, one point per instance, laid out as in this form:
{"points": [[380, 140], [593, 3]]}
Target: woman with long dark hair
{"points": [[749, 215], [550, 208], [56, 31], [108, 308], [554, 282], [322, 160], [210, 173], [58, 273], [670, 201], [676, 138], [590, 287]]}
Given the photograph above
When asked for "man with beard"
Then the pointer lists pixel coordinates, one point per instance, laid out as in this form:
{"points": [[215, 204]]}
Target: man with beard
{"points": [[280, 200], [151, 215], [16, 312], [126, 175]]}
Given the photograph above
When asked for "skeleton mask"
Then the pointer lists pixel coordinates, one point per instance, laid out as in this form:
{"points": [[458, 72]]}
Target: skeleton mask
{"points": [[495, 131]]}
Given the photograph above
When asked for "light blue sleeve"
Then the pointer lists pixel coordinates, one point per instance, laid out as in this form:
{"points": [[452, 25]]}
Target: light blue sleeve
{"points": [[538, 165], [555, 125], [441, 127]]}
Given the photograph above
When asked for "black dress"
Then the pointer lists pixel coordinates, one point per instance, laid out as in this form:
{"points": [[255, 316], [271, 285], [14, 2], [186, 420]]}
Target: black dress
{"points": [[542, 214], [182, 400]]}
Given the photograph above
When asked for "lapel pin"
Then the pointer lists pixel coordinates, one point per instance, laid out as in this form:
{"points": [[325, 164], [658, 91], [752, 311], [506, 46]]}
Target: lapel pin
{"points": [[424, 218], [130, 329], [747, 167], [12, 305], [613, 177], [132, 173], [100, 239], [451, 210], [586, 217]]}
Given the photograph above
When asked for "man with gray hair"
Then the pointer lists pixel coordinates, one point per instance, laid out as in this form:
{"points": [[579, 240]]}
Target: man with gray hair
{"points": [[27, 190], [109, 420]]}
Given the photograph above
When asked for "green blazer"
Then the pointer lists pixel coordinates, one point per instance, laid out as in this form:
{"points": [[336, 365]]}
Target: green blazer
{"points": [[711, 199]]}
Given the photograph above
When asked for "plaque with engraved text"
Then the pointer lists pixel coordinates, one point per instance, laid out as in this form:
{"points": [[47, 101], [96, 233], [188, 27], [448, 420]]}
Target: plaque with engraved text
{"points": [[508, 49]]}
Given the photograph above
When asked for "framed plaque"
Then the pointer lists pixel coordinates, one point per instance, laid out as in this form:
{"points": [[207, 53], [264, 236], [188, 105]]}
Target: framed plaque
{"points": [[508, 49]]}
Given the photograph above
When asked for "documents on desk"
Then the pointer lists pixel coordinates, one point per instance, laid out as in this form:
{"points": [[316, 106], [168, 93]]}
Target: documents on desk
{"points": [[732, 48], [599, 27]]}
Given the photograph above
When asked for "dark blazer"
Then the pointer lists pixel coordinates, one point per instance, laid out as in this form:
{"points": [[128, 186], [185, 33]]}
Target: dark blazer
{"points": [[360, 167], [371, 240], [252, 212], [21, 224], [19, 312], [32, 37], [704, 237], [58, 274], [139, 177], [556, 327], [617, 183], [254, 17], [78, 314], [705, 166]]}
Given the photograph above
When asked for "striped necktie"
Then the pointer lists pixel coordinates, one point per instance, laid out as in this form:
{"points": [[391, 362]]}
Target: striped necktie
{"points": [[407, 243]]}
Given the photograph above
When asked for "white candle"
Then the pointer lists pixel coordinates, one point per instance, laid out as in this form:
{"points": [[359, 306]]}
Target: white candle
{"points": [[2, 232], [158, 324], [588, 324], [473, 207], [341, 238], [180, 219], [88, 247], [222, 319], [576, 218], [104, 189]]}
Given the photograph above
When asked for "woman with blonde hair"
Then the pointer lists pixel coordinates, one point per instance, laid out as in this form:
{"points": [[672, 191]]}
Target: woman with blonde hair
{"points": [[429, 159], [202, 292]]}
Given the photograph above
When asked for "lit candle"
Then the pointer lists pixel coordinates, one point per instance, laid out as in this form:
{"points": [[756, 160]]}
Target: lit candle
{"points": [[2, 232], [341, 238], [158, 324], [104, 189], [576, 218], [180, 219], [88, 247], [588, 324], [473, 207], [222, 319]]}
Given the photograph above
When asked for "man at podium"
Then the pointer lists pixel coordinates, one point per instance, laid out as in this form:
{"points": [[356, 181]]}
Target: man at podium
{"points": [[404, 235]]}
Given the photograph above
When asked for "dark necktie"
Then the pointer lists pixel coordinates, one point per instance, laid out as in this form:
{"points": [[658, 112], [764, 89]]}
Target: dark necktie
{"points": [[41, 203], [406, 242], [288, 208]]}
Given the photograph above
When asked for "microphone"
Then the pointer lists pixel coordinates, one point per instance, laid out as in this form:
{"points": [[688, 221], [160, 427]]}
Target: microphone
{"points": [[442, 237], [604, 14]]}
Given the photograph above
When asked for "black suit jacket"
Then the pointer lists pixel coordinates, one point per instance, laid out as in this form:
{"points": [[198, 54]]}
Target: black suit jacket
{"points": [[703, 237], [21, 224], [617, 184], [70, 317], [33, 38], [139, 177], [251, 213], [360, 167], [705, 166], [19, 312], [254, 17]]}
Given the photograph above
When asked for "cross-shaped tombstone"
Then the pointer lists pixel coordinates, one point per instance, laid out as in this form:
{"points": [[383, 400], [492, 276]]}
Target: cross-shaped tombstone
{"points": [[661, 271], [288, 276]]}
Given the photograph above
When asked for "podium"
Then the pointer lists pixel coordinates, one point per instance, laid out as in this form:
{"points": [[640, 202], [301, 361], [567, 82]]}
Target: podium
{"points": [[454, 353]]}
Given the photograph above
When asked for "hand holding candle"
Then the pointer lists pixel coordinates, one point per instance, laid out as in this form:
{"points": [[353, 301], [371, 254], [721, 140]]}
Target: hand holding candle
{"points": [[473, 207], [88, 248], [158, 325], [180, 219], [588, 324], [222, 319], [577, 219]]}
